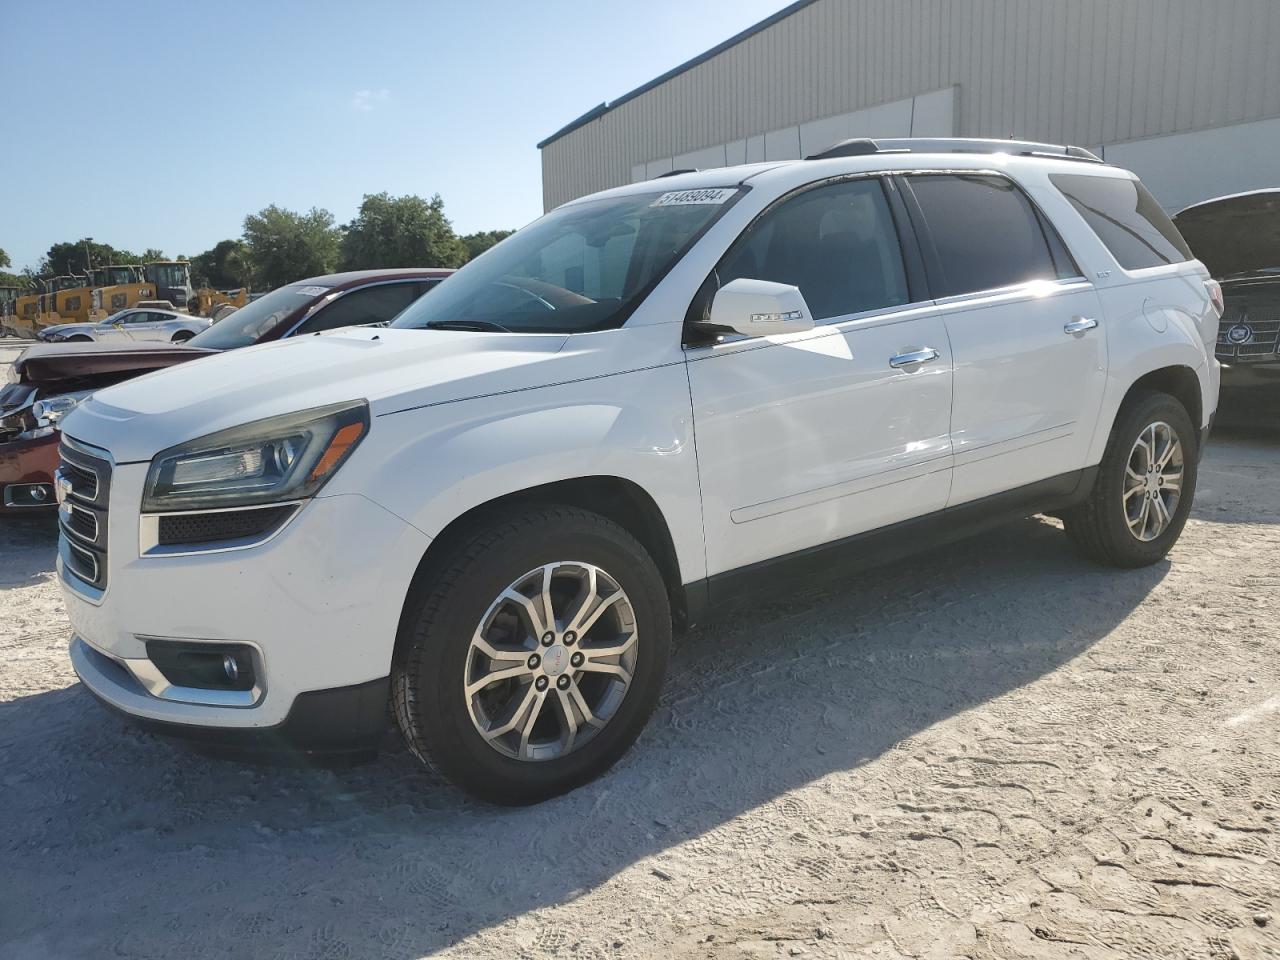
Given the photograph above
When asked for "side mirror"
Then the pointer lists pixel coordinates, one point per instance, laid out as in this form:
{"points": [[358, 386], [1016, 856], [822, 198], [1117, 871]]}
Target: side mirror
{"points": [[759, 308]]}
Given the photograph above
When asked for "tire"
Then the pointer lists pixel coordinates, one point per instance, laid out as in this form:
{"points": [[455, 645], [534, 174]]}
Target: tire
{"points": [[1100, 528], [182, 336], [460, 594], [79, 338]]}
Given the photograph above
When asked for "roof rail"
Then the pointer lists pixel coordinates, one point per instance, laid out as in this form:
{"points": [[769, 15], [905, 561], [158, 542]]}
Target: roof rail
{"points": [[1023, 148], [676, 173]]}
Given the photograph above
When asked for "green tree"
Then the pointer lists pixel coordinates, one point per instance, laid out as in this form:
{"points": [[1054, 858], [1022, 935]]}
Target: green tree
{"points": [[74, 257], [223, 267], [285, 246], [403, 231], [478, 243], [150, 254], [4, 259]]}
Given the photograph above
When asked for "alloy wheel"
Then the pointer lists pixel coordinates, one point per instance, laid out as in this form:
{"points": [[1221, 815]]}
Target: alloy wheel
{"points": [[1153, 481], [551, 661]]}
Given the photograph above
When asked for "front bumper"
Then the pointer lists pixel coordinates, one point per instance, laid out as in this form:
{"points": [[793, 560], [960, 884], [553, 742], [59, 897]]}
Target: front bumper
{"points": [[26, 475], [320, 602], [343, 722]]}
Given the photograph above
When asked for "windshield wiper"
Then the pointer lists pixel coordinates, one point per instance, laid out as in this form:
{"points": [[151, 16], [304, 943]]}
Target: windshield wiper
{"points": [[466, 325]]}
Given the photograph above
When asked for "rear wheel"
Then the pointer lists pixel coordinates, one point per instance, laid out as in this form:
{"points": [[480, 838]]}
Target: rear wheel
{"points": [[534, 657], [182, 336], [1145, 485]]}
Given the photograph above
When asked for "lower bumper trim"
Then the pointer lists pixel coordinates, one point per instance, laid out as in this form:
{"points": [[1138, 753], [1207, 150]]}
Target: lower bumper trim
{"points": [[343, 723]]}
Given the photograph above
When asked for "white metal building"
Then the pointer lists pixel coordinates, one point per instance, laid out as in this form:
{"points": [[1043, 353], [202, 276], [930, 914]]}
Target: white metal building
{"points": [[1185, 92]]}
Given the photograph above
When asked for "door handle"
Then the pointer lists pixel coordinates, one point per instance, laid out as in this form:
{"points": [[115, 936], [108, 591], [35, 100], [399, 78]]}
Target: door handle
{"points": [[1080, 325], [923, 355]]}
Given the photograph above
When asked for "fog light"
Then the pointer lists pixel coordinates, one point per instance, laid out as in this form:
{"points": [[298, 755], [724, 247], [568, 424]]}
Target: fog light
{"points": [[204, 666]]}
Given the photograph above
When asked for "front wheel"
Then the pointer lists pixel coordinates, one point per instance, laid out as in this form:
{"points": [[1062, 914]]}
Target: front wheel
{"points": [[1145, 485], [182, 336], [533, 657]]}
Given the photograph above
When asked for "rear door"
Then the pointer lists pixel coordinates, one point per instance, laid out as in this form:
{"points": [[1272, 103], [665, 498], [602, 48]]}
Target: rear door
{"points": [[1026, 329], [807, 438], [131, 325]]}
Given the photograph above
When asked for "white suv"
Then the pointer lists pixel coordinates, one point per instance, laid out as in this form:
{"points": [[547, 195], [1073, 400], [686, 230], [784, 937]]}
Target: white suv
{"points": [[648, 404]]}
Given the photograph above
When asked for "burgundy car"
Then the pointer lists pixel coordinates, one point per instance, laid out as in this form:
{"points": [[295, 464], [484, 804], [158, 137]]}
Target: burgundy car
{"points": [[47, 380]]}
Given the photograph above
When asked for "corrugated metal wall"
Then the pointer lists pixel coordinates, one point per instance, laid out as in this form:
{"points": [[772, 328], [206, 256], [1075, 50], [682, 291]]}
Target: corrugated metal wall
{"points": [[1089, 72]]}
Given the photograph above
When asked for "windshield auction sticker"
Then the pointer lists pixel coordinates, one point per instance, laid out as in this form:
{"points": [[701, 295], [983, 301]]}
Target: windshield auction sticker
{"points": [[681, 198]]}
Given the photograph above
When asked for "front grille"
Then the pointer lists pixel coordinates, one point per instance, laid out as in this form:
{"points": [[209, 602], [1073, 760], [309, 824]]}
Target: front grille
{"points": [[221, 525], [83, 523], [1249, 331], [84, 479], [84, 483]]}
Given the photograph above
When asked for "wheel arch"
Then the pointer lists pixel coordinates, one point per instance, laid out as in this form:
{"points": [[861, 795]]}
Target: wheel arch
{"points": [[1187, 384], [619, 499], [1179, 381]]}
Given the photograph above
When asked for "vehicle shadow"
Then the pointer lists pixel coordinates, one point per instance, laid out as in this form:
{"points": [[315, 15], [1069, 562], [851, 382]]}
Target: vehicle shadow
{"points": [[29, 546], [118, 841], [1237, 475]]}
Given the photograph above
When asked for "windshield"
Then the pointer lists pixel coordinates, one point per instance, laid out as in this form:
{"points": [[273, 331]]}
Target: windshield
{"points": [[582, 267], [168, 274], [255, 320], [111, 276]]}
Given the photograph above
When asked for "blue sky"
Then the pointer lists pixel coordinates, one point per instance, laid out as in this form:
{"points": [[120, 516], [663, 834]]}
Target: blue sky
{"points": [[162, 124]]}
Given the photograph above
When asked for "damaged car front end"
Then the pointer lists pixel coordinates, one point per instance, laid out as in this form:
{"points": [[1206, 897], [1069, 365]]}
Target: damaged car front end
{"points": [[1238, 238], [44, 384]]}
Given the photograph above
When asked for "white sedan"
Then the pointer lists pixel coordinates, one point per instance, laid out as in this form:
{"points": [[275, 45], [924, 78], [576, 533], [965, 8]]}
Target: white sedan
{"points": [[132, 324]]}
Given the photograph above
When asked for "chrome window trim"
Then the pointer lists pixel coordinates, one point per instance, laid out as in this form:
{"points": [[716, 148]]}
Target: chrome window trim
{"points": [[1017, 292]]}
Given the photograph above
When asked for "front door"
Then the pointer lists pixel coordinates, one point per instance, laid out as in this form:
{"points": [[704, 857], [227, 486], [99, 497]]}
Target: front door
{"points": [[804, 439], [1026, 330]]}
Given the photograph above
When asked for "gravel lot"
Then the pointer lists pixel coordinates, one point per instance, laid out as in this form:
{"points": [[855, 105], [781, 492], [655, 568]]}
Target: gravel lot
{"points": [[993, 751]]}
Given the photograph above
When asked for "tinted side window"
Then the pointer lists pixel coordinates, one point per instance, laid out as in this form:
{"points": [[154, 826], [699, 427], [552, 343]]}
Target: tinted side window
{"points": [[837, 243], [370, 305], [1126, 218], [985, 231]]}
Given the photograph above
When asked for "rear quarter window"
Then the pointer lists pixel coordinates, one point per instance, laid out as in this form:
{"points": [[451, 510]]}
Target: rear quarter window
{"points": [[986, 234], [1126, 218]]}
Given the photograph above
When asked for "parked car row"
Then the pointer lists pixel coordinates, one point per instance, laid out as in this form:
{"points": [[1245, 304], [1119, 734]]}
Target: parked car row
{"points": [[132, 325], [489, 517], [48, 381]]}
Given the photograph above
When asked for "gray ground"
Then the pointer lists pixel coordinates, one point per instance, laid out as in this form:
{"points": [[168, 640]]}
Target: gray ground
{"points": [[993, 751]]}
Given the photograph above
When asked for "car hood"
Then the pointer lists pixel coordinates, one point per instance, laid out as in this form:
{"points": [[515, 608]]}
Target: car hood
{"points": [[1234, 234], [53, 365], [395, 370], [66, 328]]}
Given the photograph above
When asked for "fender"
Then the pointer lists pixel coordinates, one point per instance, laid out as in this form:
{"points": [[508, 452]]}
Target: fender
{"points": [[1150, 328], [449, 459]]}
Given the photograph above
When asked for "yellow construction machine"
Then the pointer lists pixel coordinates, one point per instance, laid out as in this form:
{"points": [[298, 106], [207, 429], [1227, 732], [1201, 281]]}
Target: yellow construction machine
{"points": [[63, 299], [117, 288]]}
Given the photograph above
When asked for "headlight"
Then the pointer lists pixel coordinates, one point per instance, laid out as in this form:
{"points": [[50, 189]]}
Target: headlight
{"points": [[49, 412], [283, 458]]}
